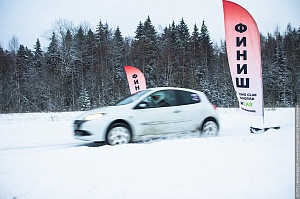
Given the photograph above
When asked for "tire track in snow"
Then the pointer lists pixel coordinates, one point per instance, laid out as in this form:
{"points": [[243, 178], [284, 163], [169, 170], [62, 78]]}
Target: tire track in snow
{"points": [[54, 145]]}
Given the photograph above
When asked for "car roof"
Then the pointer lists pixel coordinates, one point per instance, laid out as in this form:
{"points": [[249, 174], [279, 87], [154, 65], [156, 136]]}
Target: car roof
{"points": [[173, 88]]}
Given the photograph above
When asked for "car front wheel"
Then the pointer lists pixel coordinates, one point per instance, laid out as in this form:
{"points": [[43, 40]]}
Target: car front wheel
{"points": [[118, 133], [209, 129]]}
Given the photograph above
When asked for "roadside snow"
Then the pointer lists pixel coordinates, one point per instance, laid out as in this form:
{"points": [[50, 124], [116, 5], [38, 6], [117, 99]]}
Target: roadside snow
{"points": [[236, 164]]}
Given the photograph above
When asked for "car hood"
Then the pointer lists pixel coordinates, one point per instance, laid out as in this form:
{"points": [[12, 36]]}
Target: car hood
{"points": [[107, 109]]}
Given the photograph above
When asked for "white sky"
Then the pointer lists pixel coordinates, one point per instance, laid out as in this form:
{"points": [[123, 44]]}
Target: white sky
{"points": [[29, 19]]}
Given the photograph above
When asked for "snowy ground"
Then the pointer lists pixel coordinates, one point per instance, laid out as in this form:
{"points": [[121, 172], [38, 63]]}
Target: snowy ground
{"points": [[40, 159]]}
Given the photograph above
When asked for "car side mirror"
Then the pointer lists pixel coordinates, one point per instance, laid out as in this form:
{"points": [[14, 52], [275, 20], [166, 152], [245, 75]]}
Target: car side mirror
{"points": [[143, 105]]}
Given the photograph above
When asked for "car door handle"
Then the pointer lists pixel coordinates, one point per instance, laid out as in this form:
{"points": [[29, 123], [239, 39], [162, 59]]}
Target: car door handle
{"points": [[177, 111]]}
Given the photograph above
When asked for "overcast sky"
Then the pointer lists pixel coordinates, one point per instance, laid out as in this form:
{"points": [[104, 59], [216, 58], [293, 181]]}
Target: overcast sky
{"points": [[29, 19]]}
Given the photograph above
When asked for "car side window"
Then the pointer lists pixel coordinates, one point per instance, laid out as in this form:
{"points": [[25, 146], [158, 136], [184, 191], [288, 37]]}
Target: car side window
{"points": [[186, 97], [163, 98]]}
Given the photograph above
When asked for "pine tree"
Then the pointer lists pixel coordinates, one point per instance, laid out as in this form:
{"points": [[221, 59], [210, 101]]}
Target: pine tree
{"points": [[90, 49], [7, 87], [138, 48], [38, 55], [206, 64], [182, 42], [167, 58], [37, 77], [24, 59], [91, 83], [195, 57], [104, 37], [118, 55], [150, 42], [80, 53], [268, 51], [53, 55], [283, 78], [139, 34], [54, 75], [291, 44], [145, 47]]}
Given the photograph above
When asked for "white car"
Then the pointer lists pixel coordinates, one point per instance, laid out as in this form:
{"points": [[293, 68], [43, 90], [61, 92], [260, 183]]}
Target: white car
{"points": [[152, 113]]}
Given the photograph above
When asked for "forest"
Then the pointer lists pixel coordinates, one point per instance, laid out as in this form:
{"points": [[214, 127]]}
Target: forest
{"points": [[83, 69]]}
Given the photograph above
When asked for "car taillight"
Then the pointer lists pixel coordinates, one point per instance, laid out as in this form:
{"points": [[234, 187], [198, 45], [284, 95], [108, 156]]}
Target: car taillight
{"points": [[215, 107]]}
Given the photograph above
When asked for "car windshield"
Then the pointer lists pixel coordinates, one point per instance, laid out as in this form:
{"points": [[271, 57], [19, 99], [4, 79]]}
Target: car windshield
{"points": [[132, 98]]}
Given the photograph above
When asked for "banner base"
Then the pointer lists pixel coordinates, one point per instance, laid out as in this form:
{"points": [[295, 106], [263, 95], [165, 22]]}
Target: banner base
{"points": [[261, 129]]}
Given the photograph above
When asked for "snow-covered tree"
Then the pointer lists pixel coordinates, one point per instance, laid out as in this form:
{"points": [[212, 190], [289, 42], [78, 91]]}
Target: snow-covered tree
{"points": [[284, 74], [84, 100], [82, 68], [146, 47], [183, 56]]}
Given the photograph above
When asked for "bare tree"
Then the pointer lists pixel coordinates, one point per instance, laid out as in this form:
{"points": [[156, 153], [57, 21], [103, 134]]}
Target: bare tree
{"points": [[13, 45]]}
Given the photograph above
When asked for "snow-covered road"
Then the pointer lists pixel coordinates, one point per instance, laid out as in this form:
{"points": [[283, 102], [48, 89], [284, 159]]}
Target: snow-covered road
{"points": [[40, 159]]}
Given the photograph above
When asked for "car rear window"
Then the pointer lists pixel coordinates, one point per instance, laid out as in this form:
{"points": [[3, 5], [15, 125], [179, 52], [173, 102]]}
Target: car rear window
{"points": [[186, 97]]}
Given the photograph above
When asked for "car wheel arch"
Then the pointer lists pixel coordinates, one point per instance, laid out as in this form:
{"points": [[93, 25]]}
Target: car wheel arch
{"points": [[209, 119], [119, 121]]}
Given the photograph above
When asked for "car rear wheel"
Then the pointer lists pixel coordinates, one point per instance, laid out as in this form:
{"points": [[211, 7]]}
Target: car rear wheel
{"points": [[209, 129], [118, 133]]}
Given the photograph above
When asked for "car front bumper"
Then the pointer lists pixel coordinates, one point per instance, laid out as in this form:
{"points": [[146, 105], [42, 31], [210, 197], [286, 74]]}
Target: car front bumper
{"points": [[88, 130]]}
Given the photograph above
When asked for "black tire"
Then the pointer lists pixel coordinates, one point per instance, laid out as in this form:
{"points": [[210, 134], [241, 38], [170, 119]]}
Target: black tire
{"points": [[118, 133], [209, 128]]}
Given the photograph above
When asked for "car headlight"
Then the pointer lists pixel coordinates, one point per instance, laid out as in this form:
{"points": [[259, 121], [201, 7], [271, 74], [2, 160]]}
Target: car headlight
{"points": [[94, 116]]}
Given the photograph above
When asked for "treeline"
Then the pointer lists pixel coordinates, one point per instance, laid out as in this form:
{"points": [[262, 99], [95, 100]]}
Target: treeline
{"points": [[82, 69]]}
